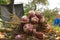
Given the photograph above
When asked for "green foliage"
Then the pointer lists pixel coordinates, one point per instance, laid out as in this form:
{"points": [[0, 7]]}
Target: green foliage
{"points": [[33, 6], [3, 2], [39, 1], [50, 14], [28, 7]]}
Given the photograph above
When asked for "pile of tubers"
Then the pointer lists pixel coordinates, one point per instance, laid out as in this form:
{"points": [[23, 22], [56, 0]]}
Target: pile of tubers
{"points": [[34, 24]]}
